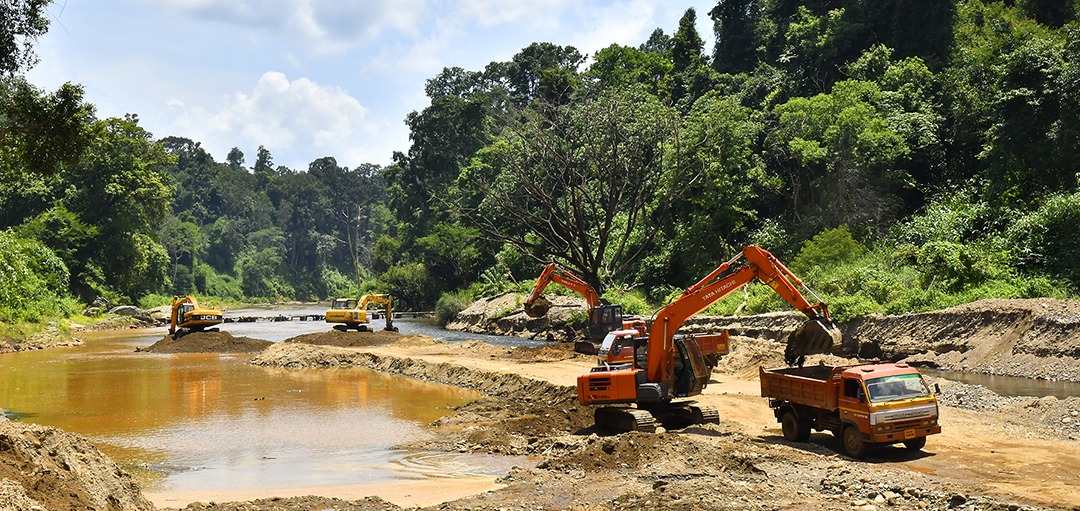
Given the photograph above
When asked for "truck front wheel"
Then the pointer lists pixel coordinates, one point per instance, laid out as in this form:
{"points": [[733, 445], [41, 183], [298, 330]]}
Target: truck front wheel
{"points": [[795, 429], [915, 444], [854, 445]]}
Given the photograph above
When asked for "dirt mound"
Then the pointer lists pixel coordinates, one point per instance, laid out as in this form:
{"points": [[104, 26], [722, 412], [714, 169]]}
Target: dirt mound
{"points": [[546, 353], [207, 342], [45, 468], [344, 339], [1036, 338], [308, 502]]}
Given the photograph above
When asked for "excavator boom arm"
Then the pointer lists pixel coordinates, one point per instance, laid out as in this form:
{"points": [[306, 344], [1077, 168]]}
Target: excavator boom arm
{"points": [[567, 280], [714, 287]]}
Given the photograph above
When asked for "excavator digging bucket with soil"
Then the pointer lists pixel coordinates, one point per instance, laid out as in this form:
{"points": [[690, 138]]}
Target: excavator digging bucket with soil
{"points": [[538, 308], [818, 335]]}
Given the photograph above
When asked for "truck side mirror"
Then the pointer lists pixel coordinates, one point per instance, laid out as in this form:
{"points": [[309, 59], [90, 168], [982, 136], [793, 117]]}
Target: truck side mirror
{"points": [[937, 389]]}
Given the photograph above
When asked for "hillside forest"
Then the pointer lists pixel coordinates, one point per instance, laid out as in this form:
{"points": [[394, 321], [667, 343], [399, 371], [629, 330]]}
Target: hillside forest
{"points": [[899, 155]]}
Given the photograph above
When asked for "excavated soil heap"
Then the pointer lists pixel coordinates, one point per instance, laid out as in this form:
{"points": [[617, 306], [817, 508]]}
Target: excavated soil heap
{"points": [[345, 339], [207, 342], [46, 468]]}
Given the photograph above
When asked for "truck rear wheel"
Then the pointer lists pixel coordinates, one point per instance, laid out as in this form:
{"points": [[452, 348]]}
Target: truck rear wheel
{"points": [[915, 444], [854, 445], [795, 429]]}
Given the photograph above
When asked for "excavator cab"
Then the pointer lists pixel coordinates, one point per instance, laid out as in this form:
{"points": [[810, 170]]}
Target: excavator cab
{"points": [[603, 319]]}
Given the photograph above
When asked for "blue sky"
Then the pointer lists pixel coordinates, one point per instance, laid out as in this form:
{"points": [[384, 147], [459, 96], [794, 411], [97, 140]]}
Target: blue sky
{"points": [[310, 78]]}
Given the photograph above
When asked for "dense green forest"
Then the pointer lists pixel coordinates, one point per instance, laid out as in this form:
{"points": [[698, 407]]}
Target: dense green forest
{"points": [[901, 155]]}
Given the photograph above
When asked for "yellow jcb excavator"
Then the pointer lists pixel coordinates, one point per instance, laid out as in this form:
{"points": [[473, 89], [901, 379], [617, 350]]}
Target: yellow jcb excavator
{"points": [[188, 316], [352, 313]]}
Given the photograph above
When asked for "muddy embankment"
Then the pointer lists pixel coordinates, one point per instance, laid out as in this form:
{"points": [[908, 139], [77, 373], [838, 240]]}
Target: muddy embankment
{"points": [[43, 468], [1033, 338]]}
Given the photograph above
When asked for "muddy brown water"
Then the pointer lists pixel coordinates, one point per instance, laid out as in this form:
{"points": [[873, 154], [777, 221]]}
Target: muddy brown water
{"points": [[185, 423]]}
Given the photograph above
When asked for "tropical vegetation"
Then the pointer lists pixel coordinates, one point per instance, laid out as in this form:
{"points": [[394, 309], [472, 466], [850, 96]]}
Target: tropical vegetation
{"points": [[901, 155]]}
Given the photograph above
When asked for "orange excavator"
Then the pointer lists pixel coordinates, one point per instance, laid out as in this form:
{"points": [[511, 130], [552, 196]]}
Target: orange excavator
{"points": [[666, 367], [603, 317]]}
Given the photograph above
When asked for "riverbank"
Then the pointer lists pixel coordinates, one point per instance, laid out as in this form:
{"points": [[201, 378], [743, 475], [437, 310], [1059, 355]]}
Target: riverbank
{"points": [[994, 452], [1031, 338]]}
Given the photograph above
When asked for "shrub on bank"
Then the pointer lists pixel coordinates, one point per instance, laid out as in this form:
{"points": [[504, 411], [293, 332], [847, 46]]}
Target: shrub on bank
{"points": [[450, 304], [33, 280]]}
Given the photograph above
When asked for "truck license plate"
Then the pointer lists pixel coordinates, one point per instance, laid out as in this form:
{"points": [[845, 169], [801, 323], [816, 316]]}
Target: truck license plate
{"points": [[909, 433]]}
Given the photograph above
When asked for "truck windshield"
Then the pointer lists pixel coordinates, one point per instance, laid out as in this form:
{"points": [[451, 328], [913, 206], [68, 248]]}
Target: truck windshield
{"points": [[891, 388]]}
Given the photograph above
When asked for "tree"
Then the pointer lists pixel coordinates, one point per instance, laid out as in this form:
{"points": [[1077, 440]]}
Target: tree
{"points": [[721, 207], [181, 240], [585, 184], [688, 59], [21, 23], [841, 157], [736, 43], [41, 132], [535, 68], [120, 187], [622, 66]]}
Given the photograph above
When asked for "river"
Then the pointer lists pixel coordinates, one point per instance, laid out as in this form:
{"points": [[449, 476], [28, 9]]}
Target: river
{"points": [[193, 424]]}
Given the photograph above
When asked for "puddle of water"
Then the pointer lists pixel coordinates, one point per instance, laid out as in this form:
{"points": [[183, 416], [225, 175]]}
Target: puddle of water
{"points": [[1010, 385], [191, 422]]}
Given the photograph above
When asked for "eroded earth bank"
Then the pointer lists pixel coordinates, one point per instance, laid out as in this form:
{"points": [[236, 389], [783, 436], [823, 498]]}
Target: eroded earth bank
{"points": [[994, 452]]}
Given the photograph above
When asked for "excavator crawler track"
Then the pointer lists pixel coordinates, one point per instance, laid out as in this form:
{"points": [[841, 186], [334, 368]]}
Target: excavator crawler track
{"points": [[625, 419], [705, 414]]}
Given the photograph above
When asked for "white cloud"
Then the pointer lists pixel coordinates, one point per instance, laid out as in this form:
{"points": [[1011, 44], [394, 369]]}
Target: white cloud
{"points": [[297, 118], [325, 26], [611, 25], [537, 13]]}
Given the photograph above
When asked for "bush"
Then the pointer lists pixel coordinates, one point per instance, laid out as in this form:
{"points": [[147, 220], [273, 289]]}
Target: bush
{"points": [[217, 284], [154, 300], [828, 248], [410, 284], [450, 304], [338, 284], [32, 279], [1048, 239], [632, 302]]}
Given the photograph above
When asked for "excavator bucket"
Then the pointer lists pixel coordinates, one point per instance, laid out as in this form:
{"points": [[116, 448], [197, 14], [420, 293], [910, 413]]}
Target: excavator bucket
{"points": [[538, 308], [818, 335]]}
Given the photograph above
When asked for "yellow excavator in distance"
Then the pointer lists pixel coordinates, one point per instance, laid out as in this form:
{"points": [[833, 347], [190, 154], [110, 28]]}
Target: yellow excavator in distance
{"points": [[352, 313], [188, 316]]}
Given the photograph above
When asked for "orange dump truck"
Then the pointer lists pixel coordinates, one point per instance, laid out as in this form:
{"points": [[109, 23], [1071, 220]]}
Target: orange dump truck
{"points": [[863, 405]]}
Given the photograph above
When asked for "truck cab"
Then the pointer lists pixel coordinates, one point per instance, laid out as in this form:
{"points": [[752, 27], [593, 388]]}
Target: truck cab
{"points": [[889, 403], [863, 405]]}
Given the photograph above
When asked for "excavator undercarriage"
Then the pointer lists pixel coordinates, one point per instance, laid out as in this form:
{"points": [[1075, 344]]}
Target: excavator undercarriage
{"points": [[675, 415]]}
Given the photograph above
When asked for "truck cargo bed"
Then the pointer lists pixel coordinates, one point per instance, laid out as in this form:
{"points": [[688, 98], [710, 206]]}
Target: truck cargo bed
{"points": [[808, 386], [817, 372]]}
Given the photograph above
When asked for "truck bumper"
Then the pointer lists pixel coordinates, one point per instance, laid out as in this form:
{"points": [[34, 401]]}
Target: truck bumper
{"points": [[901, 435]]}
